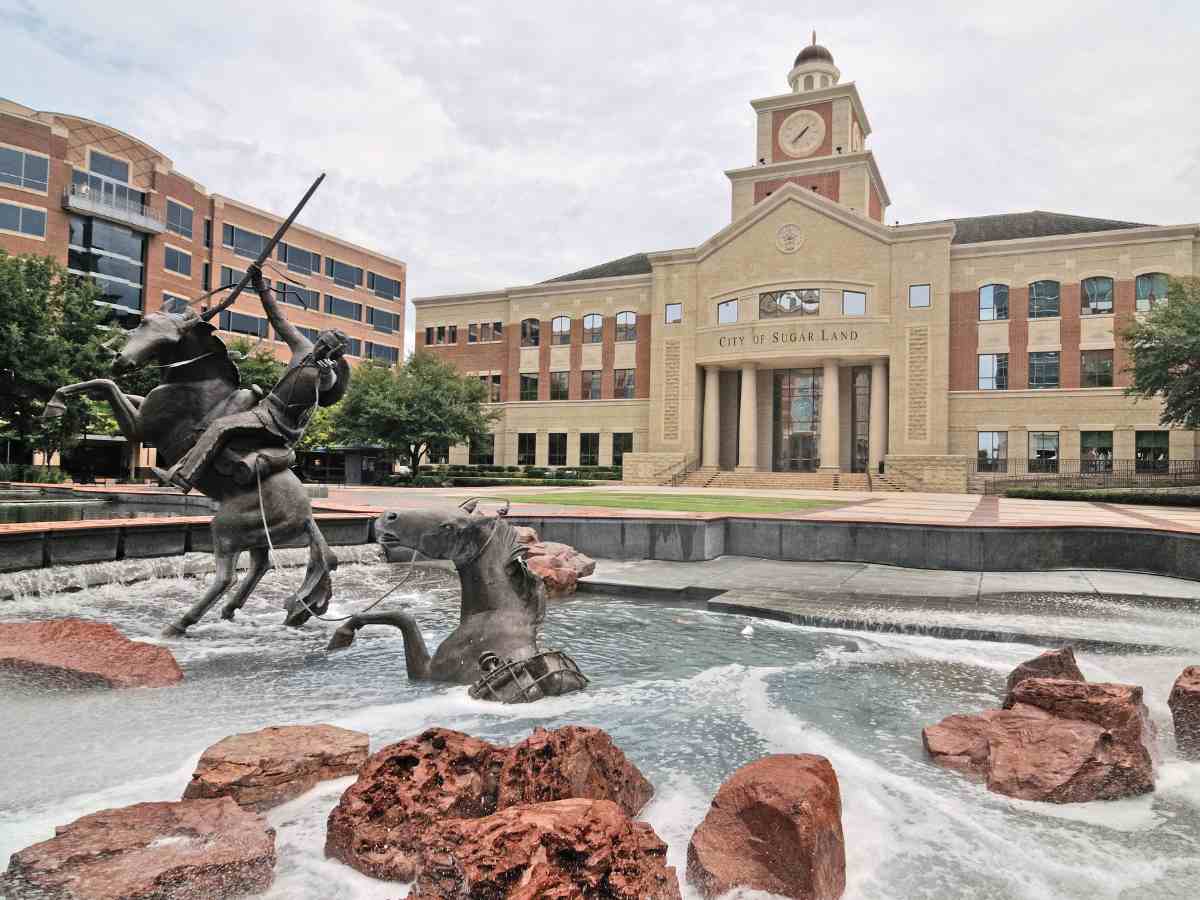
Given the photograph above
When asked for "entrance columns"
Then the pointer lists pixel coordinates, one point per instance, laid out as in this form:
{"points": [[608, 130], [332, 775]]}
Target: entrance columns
{"points": [[748, 420], [710, 447], [831, 425], [877, 430]]}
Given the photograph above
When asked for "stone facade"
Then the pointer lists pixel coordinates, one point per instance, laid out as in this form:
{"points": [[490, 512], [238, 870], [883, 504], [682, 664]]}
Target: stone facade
{"points": [[806, 286]]}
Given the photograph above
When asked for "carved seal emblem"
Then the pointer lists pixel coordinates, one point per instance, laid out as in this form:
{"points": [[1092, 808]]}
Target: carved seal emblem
{"points": [[788, 238]]}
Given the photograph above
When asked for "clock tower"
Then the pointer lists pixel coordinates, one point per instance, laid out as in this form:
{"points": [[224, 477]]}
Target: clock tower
{"points": [[815, 137]]}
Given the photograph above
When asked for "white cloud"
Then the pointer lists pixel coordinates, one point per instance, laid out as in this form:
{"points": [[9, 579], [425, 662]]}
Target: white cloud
{"points": [[493, 144]]}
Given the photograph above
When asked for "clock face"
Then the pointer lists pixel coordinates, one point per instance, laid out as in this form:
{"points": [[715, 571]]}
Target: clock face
{"points": [[801, 133]]}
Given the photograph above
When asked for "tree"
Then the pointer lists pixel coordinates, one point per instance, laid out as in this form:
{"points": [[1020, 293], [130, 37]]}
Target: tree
{"points": [[258, 364], [409, 408], [49, 336], [1164, 349]]}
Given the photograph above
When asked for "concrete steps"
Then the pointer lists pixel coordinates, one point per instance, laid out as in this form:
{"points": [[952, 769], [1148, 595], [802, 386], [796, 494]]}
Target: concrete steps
{"points": [[710, 476], [885, 483]]}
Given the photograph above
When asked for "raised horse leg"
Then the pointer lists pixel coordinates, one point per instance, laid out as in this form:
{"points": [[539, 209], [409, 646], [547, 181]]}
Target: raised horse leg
{"points": [[313, 595], [224, 577], [416, 654], [259, 563], [124, 406]]}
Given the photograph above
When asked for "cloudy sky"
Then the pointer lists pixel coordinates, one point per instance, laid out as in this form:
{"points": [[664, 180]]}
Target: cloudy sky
{"points": [[492, 144]]}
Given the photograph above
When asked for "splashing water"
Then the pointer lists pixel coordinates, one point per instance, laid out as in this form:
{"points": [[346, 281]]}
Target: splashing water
{"points": [[680, 691]]}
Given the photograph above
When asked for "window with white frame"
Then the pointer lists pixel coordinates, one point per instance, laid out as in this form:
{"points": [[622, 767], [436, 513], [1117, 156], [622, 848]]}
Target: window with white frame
{"points": [[920, 296], [854, 303], [627, 325], [179, 219], [727, 312], [22, 220], [993, 302], [177, 261], [23, 169]]}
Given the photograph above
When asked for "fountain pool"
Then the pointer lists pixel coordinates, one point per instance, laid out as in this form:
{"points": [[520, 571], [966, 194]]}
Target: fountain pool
{"points": [[681, 691]]}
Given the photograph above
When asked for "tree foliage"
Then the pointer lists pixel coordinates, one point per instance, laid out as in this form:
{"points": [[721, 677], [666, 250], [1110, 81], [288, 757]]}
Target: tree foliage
{"points": [[258, 364], [409, 408], [1164, 348], [48, 337]]}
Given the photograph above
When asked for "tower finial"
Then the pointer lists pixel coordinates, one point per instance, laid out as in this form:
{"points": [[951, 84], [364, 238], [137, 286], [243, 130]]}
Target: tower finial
{"points": [[814, 37]]}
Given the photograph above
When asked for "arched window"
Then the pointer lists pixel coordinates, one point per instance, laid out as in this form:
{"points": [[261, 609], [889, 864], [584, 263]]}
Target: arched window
{"points": [[560, 330], [626, 326], [1095, 296], [593, 328], [1043, 299], [1151, 289], [530, 329], [808, 82], [824, 81], [993, 302]]}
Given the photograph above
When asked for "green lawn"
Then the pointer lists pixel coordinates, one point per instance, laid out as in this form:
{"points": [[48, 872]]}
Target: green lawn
{"points": [[676, 502]]}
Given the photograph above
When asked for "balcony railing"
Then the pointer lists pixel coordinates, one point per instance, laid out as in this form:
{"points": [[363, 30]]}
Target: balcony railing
{"points": [[86, 200], [998, 475]]}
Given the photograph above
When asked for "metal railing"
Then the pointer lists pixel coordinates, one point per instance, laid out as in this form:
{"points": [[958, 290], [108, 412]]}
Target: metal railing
{"points": [[86, 199], [1073, 474]]}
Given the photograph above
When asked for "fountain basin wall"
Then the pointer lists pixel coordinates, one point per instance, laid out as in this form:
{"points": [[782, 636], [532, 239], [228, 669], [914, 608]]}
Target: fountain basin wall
{"points": [[960, 548]]}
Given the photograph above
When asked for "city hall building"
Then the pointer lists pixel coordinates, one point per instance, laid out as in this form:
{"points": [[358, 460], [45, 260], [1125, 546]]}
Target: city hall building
{"points": [[809, 337]]}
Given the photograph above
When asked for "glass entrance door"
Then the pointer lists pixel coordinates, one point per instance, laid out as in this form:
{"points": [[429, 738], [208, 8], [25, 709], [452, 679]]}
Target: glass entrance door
{"points": [[860, 455], [797, 415]]}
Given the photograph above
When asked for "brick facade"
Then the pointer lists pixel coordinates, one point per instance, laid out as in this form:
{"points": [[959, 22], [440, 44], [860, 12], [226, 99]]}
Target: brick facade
{"points": [[824, 110]]}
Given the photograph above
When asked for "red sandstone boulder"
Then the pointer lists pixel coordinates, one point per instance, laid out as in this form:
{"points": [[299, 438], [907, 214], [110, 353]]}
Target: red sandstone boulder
{"points": [[149, 851], [1059, 741], [384, 822], [263, 769], [1051, 664], [775, 825], [524, 535], [562, 850], [1185, 710], [559, 566], [78, 653], [573, 761]]}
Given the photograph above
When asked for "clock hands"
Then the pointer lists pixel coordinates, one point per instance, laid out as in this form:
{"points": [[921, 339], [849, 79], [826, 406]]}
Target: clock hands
{"points": [[801, 134]]}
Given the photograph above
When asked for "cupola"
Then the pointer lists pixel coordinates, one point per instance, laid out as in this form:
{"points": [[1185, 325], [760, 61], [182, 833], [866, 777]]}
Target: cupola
{"points": [[813, 69]]}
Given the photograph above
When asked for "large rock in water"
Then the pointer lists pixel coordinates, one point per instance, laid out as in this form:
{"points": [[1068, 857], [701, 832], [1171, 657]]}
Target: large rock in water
{"points": [[775, 825], [563, 850], [79, 653], [150, 851], [262, 769], [1051, 664], [1185, 710], [1057, 740], [385, 821], [560, 567]]}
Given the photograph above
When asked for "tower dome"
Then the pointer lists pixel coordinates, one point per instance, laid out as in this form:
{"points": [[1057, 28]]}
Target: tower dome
{"points": [[813, 69]]}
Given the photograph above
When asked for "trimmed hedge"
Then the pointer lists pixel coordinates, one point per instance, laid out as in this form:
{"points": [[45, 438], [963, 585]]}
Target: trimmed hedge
{"points": [[1139, 498], [31, 474], [558, 474], [423, 480]]}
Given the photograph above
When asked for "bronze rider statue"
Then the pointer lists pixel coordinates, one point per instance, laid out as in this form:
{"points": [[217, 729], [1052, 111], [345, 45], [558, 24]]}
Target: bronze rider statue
{"points": [[317, 373]]}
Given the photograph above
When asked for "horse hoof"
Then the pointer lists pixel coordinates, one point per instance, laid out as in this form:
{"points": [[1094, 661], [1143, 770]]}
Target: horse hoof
{"points": [[296, 619], [228, 613], [173, 631]]}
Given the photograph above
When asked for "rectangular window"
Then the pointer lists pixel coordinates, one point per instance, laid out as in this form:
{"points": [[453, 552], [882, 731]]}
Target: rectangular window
{"points": [[173, 304], [497, 331], [919, 296], [441, 335], [1150, 289], [589, 449], [242, 242], [993, 451], [383, 353], [382, 320], [305, 262], [993, 303], [558, 449], [336, 306], [1043, 369], [298, 296], [240, 323], [727, 312], [1096, 368], [674, 313], [993, 371], [353, 347], [109, 167], [527, 449], [1095, 296], [1044, 299], [22, 220], [177, 261], [559, 389], [529, 387], [343, 273], [622, 444], [387, 288], [1095, 451], [429, 336], [179, 219], [208, 232], [495, 388], [531, 330], [24, 170], [473, 333], [854, 303], [207, 276], [231, 276], [1152, 450], [591, 384], [1043, 451], [482, 451], [437, 453], [623, 383], [451, 334]]}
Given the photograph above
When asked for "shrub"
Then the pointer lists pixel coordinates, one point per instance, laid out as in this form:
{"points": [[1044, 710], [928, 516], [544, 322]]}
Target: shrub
{"points": [[31, 474], [1139, 498]]}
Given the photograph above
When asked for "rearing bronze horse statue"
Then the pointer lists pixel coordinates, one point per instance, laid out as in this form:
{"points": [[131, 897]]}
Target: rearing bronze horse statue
{"points": [[200, 385]]}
